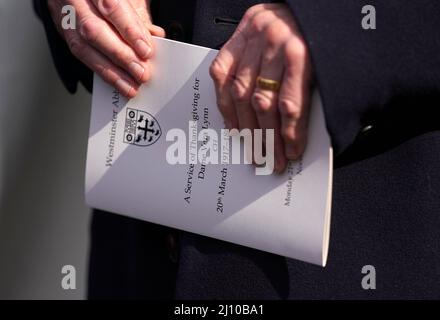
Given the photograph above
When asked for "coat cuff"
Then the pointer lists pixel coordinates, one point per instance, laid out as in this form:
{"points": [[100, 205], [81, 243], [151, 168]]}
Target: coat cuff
{"points": [[70, 70]]}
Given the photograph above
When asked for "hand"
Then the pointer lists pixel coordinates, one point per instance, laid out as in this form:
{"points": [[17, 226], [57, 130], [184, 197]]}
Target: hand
{"points": [[267, 43], [113, 38]]}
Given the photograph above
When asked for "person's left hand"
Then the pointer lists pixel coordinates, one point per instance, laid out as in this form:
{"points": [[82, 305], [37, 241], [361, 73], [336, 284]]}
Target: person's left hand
{"points": [[266, 44]]}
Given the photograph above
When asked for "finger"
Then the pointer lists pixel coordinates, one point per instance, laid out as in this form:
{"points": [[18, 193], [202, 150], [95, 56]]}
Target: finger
{"points": [[242, 87], [128, 23], [265, 104], [258, 8], [142, 8], [224, 66], [222, 71], [294, 101], [97, 62], [245, 113], [243, 84], [102, 37]]}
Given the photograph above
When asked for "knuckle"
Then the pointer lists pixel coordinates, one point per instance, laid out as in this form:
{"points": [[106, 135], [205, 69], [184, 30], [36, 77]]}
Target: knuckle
{"points": [[107, 7], [120, 56], [256, 24], [131, 32], [89, 29], [251, 11], [296, 49], [289, 108], [272, 32], [77, 47], [103, 71], [261, 104], [239, 91], [217, 70]]}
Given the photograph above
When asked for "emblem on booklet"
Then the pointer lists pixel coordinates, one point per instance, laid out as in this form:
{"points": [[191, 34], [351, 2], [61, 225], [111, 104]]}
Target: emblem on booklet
{"points": [[141, 128]]}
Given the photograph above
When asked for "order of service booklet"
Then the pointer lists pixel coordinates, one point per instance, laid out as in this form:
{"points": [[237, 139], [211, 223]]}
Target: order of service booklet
{"points": [[129, 172]]}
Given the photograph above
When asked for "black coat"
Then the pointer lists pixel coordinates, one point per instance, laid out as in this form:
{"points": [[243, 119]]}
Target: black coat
{"points": [[380, 90]]}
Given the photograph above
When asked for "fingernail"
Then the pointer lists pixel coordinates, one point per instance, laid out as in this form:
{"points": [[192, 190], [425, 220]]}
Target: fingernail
{"points": [[123, 86], [136, 69], [142, 48]]}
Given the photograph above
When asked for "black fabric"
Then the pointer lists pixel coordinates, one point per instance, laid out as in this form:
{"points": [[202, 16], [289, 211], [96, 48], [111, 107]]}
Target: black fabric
{"points": [[70, 69], [363, 74], [175, 18], [386, 201], [385, 213], [129, 259]]}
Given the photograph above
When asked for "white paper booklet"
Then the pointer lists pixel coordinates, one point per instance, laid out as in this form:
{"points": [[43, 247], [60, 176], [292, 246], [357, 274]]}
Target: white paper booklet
{"points": [[128, 172]]}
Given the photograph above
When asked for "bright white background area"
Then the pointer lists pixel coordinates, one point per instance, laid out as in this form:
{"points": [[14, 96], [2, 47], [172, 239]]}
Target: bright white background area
{"points": [[44, 223]]}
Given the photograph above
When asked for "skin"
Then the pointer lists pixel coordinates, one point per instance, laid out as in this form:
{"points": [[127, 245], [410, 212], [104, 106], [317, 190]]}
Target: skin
{"points": [[114, 40], [266, 43]]}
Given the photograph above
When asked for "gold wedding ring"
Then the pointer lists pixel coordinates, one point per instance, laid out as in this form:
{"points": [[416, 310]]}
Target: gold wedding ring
{"points": [[268, 84]]}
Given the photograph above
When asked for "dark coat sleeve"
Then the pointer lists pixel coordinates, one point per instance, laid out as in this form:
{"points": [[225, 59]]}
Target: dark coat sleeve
{"points": [[70, 69], [364, 74]]}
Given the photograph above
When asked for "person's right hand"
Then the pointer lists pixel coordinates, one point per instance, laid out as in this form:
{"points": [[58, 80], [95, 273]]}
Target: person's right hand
{"points": [[112, 37]]}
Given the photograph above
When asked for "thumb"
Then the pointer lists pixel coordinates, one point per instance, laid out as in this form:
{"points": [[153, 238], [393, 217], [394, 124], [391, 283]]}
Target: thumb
{"points": [[142, 8], [156, 31]]}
